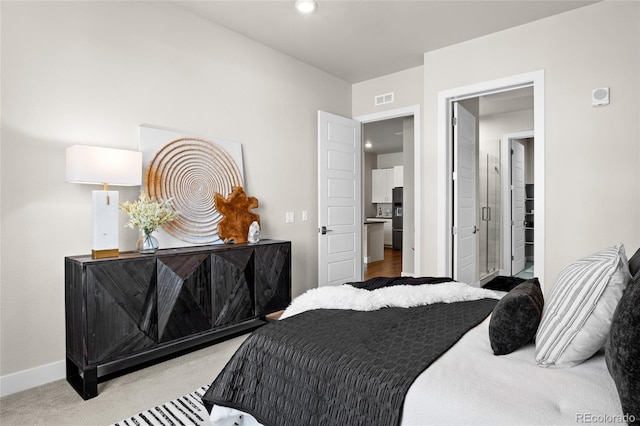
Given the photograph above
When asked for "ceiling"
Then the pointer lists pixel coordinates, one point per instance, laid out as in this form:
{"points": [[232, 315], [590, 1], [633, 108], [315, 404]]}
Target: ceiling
{"points": [[359, 40], [384, 136]]}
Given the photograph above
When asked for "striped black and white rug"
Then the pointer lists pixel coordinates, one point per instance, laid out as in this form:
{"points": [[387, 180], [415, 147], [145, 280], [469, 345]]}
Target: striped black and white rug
{"points": [[186, 410]]}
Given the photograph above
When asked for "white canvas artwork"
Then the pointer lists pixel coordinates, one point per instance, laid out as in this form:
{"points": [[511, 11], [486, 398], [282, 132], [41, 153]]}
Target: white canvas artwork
{"points": [[189, 169]]}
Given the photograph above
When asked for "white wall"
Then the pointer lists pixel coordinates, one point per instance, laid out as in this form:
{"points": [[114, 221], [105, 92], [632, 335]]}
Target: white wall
{"points": [[386, 161], [493, 127], [406, 86], [90, 73], [593, 182], [591, 160]]}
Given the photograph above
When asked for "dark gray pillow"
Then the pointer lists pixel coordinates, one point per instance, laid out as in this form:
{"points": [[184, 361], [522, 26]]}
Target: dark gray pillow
{"points": [[516, 317], [634, 263], [623, 349]]}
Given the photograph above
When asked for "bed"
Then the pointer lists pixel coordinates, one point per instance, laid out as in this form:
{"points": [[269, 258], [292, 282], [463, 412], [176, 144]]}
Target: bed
{"points": [[422, 351]]}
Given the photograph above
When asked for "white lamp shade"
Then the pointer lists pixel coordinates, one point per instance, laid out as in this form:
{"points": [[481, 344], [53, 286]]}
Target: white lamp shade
{"points": [[95, 165]]}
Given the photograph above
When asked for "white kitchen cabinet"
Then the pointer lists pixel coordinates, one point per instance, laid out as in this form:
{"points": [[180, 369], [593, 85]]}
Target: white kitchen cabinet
{"points": [[379, 186], [398, 176], [382, 184]]}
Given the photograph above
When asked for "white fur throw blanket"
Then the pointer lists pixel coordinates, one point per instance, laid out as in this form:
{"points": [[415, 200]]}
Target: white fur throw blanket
{"points": [[397, 296]]}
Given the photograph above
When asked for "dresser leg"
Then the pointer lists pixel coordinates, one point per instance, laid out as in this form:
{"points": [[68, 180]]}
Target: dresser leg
{"points": [[84, 382]]}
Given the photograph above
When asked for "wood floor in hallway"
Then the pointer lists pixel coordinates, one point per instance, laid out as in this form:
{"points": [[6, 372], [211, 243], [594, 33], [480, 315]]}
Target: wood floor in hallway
{"points": [[391, 266]]}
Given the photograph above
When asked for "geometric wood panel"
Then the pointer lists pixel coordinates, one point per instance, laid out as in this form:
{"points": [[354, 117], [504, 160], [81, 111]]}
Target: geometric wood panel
{"points": [[184, 294], [273, 275], [120, 306], [232, 300]]}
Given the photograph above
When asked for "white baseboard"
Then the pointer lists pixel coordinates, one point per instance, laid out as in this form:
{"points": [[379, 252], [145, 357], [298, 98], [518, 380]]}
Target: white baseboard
{"points": [[27, 379]]}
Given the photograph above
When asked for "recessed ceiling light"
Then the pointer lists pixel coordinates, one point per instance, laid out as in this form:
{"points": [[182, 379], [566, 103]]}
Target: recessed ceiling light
{"points": [[368, 144], [305, 6]]}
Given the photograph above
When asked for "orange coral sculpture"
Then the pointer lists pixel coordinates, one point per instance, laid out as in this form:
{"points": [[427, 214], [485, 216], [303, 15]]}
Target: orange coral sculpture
{"points": [[236, 215]]}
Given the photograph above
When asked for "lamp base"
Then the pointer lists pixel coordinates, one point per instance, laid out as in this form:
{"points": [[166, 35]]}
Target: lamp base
{"points": [[102, 254], [104, 241]]}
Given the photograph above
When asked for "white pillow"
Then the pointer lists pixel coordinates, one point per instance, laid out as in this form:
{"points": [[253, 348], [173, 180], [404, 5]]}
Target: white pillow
{"points": [[576, 318]]}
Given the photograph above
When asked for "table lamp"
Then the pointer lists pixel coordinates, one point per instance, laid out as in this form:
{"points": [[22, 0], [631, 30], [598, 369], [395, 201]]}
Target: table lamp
{"points": [[104, 166]]}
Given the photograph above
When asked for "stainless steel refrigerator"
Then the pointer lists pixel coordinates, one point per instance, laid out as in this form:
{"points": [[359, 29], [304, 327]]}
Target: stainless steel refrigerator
{"points": [[396, 221]]}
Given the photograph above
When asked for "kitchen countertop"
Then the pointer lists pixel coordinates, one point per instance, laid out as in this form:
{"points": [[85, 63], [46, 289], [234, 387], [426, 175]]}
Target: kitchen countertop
{"points": [[379, 218]]}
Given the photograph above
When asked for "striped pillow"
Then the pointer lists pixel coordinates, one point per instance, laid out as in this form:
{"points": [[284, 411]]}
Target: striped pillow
{"points": [[577, 317]]}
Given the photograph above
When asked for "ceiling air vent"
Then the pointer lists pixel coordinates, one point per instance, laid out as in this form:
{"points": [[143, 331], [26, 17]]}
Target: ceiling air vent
{"points": [[387, 98]]}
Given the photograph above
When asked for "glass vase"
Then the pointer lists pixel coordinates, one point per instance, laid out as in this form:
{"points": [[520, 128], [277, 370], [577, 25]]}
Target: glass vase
{"points": [[147, 244]]}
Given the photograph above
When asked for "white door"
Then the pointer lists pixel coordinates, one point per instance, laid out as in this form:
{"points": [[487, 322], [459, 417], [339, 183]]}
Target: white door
{"points": [[464, 193], [517, 207], [339, 200]]}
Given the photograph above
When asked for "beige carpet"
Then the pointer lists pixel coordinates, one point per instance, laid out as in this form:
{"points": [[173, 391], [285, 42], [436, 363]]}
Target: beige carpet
{"points": [[57, 403]]}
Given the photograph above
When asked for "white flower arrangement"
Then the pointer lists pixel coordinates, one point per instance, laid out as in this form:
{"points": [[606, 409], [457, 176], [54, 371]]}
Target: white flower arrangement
{"points": [[148, 214]]}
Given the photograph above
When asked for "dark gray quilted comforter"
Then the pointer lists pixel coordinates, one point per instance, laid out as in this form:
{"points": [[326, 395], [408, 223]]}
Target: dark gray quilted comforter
{"points": [[337, 367]]}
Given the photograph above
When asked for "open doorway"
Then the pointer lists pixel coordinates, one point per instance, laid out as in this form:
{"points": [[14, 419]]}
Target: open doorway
{"points": [[383, 190], [493, 206], [505, 183], [518, 160], [390, 189], [479, 190]]}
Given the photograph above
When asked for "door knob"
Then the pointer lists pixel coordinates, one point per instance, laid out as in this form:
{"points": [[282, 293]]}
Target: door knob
{"points": [[324, 230]]}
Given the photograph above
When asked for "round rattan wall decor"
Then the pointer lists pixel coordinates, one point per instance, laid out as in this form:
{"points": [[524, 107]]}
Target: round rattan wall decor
{"points": [[190, 171]]}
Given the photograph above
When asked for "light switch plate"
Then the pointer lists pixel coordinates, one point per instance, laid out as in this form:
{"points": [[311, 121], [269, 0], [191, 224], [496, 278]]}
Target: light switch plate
{"points": [[290, 217]]}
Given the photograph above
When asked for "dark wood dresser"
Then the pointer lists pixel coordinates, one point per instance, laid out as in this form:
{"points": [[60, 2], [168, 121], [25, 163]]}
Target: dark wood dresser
{"points": [[134, 309]]}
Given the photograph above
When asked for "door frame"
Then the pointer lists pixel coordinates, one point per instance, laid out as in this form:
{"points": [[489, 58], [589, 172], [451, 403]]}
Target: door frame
{"points": [[505, 164], [413, 110], [533, 79]]}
